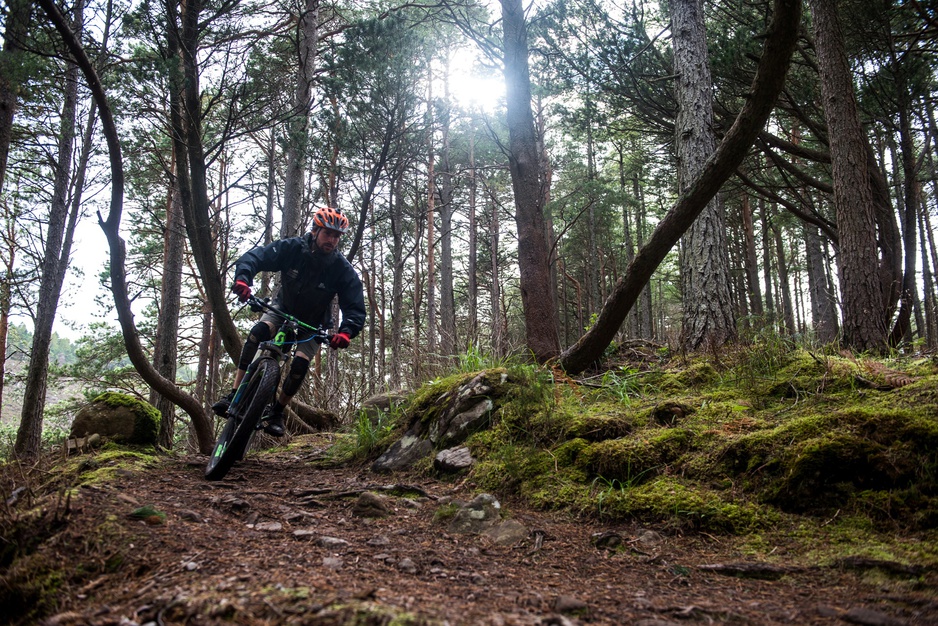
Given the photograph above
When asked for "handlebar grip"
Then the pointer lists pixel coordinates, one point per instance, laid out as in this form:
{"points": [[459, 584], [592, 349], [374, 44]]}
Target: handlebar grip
{"points": [[257, 305]]}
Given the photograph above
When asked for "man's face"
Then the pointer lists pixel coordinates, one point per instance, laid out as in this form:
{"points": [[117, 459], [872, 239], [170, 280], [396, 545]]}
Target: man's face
{"points": [[327, 239]]}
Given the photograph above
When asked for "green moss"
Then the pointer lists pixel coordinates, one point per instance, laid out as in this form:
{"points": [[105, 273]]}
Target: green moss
{"points": [[637, 458], [104, 466], [594, 422], [146, 417], [669, 501], [698, 374], [445, 513]]}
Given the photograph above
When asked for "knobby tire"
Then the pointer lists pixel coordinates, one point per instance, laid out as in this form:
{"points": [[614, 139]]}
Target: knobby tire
{"points": [[237, 434]]}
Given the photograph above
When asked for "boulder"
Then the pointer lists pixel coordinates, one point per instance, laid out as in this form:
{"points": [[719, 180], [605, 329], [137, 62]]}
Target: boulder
{"points": [[482, 513], [459, 412], [379, 406], [453, 460], [119, 417]]}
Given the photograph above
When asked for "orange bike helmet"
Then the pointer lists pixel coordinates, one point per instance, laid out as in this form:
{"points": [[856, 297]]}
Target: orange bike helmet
{"points": [[327, 217]]}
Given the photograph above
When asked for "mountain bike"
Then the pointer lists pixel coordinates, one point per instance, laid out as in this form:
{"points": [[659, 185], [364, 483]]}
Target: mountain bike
{"points": [[258, 389]]}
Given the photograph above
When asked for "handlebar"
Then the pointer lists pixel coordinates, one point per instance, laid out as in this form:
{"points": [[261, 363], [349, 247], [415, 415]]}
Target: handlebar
{"points": [[258, 305]]}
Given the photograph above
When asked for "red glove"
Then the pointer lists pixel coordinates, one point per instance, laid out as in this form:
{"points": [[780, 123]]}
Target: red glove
{"points": [[242, 290], [339, 340]]}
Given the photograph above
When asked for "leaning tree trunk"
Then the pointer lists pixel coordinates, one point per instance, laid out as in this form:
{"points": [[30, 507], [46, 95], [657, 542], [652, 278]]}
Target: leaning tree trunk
{"points": [[864, 323], [111, 228], [767, 84], [708, 319], [540, 314], [185, 116]]}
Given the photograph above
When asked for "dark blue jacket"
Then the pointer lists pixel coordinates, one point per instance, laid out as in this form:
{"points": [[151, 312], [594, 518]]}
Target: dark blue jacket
{"points": [[309, 280]]}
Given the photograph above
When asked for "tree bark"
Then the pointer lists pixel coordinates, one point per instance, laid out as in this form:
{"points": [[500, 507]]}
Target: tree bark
{"points": [[751, 261], [185, 112], [472, 336], [6, 290], [17, 25], [397, 278], [902, 330], [54, 266], [167, 326], [931, 313], [823, 306], [708, 317], [784, 283], [767, 84], [447, 208], [298, 125], [540, 315], [865, 308]]}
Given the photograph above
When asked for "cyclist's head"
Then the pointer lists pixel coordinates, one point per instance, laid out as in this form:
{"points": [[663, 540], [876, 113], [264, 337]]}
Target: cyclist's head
{"points": [[327, 217]]}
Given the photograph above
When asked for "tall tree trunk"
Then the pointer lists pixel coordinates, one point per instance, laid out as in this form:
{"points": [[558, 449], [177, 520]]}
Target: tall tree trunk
{"points": [[54, 267], [447, 208], [167, 325], [17, 25], [931, 312], [646, 319], [397, 278], [432, 352], [708, 318], [298, 125], [823, 306], [185, 117], [765, 220], [472, 337], [9, 262], [864, 324], [540, 314], [784, 283], [751, 261], [498, 334], [902, 330]]}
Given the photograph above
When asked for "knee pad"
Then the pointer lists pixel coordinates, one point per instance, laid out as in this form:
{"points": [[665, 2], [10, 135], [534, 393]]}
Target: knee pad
{"points": [[298, 369], [260, 332]]}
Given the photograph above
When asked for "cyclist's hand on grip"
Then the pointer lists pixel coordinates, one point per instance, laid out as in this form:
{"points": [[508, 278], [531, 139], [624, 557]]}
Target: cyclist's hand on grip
{"points": [[339, 340], [242, 290]]}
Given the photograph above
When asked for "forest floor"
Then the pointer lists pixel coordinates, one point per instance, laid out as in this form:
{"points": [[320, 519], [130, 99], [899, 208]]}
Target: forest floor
{"points": [[278, 541]]}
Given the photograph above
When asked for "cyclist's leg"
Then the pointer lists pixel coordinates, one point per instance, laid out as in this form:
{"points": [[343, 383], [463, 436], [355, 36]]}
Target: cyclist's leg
{"points": [[262, 331], [294, 380]]}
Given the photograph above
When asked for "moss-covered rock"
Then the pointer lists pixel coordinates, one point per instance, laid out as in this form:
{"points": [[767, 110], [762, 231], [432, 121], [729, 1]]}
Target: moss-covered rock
{"points": [[635, 459], [119, 417]]}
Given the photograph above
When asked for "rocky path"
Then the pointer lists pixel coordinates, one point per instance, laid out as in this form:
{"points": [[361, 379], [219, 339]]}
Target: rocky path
{"points": [[279, 542]]}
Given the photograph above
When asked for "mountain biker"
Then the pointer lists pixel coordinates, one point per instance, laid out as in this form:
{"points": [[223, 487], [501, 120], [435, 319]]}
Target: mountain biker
{"points": [[312, 272]]}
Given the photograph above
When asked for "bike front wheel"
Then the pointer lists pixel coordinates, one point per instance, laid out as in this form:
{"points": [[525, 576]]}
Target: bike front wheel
{"points": [[239, 428]]}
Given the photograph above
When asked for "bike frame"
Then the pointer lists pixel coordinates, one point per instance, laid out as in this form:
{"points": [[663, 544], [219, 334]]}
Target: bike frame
{"points": [[257, 389]]}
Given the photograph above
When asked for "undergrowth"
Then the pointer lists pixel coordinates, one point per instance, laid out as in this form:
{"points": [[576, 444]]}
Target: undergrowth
{"points": [[757, 440]]}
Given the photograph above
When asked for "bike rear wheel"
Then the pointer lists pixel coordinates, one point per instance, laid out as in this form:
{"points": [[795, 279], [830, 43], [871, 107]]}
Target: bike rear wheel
{"points": [[239, 429]]}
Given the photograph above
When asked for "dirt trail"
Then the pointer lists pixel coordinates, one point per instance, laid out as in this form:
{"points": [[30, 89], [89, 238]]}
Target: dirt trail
{"points": [[278, 542]]}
